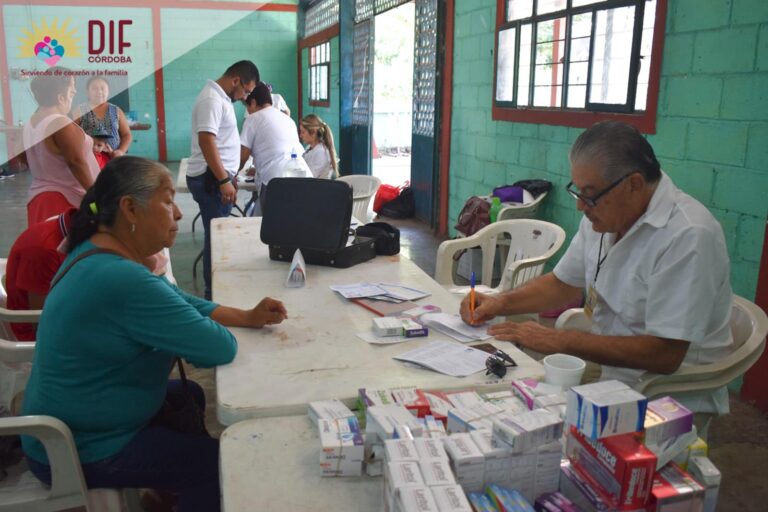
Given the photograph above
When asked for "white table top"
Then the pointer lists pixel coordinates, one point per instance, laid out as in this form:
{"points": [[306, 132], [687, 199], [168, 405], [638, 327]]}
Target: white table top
{"points": [[315, 354], [273, 464]]}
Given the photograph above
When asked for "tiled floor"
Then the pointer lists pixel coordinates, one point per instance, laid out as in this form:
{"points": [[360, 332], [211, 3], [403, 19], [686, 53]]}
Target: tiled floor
{"points": [[738, 442]]}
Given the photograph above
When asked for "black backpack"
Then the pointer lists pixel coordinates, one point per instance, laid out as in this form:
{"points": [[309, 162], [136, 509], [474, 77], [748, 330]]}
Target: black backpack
{"points": [[401, 207]]}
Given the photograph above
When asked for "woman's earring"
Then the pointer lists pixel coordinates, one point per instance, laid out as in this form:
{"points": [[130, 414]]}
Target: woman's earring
{"points": [[133, 228]]}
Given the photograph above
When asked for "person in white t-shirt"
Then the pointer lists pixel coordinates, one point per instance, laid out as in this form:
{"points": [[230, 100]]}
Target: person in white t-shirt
{"points": [[321, 155], [270, 137], [215, 149], [652, 260]]}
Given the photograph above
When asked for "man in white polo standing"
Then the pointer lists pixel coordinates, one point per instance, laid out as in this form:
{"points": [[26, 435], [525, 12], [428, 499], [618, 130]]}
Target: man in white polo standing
{"points": [[215, 149]]}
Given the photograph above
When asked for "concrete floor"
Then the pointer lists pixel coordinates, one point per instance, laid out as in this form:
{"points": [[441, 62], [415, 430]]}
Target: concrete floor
{"points": [[738, 442]]}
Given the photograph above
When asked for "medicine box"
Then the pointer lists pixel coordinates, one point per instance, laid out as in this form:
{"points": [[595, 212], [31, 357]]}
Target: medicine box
{"points": [[387, 326], [412, 399], [582, 492], [526, 431], [498, 460], [465, 419], [674, 490], [666, 418], [421, 310], [528, 389], [400, 450], [415, 499], [465, 399], [399, 474], [380, 420], [467, 461], [620, 467], [369, 397], [450, 498], [704, 472], [481, 502], [342, 447], [432, 427], [439, 405], [508, 500], [606, 408], [436, 472], [328, 410], [697, 448], [427, 449]]}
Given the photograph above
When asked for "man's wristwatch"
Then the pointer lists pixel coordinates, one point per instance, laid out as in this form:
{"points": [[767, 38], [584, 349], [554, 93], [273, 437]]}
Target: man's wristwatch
{"points": [[224, 181]]}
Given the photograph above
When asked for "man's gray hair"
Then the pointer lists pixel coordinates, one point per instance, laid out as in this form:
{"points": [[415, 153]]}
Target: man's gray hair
{"points": [[617, 149]]}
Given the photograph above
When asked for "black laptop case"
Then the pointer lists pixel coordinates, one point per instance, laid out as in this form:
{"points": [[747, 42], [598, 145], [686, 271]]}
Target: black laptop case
{"points": [[312, 215]]}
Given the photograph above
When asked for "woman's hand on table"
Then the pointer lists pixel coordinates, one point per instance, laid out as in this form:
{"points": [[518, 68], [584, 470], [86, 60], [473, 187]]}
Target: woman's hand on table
{"points": [[267, 312], [487, 307], [533, 335]]}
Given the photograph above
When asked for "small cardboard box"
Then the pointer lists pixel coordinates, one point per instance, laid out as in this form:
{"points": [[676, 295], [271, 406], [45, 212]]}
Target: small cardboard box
{"points": [[450, 498], [666, 418], [524, 432], [674, 490], [620, 467], [413, 399], [606, 408]]}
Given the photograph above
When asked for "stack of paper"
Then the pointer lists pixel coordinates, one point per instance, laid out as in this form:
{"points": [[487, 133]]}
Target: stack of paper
{"points": [[454, 326], [447, 357], [379, 291]]}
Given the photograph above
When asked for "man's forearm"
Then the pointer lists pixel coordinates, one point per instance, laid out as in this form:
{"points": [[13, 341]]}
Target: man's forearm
{"points": [[540, 294], [644, 352], [207, 142]]}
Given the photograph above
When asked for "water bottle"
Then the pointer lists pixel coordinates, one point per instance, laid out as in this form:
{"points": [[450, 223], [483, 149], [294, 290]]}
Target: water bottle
{"points": [[293, 169], [493, 212]]}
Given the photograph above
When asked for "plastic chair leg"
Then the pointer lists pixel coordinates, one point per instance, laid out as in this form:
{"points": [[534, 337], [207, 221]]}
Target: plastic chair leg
{"points": [[194, 265], [195, 220]]}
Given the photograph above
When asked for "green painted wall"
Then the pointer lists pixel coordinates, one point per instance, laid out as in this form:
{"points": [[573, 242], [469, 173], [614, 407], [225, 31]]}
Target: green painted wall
{"points": [[712, 129], [266, 38], [329, 114]]}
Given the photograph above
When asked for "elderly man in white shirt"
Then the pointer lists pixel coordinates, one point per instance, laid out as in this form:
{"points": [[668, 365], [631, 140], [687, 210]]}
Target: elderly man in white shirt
{"points": [[215, 149], [652, 260]]}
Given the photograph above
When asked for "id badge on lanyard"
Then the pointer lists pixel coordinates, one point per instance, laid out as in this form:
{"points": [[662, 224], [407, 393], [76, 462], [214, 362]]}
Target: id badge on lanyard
{"points": [[592, 296]]}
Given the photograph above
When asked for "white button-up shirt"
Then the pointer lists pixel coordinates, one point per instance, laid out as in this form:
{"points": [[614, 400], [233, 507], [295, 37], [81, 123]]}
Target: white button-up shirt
{"points": [[213, 113], [669, 277]]}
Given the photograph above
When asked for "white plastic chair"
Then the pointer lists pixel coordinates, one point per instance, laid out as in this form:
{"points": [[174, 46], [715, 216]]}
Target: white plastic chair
{"points": [[531, 243], [363, 192], [22, 491], [749, 327], [521, 211]]}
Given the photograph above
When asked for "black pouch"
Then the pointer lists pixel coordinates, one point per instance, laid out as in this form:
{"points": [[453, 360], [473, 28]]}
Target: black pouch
{"points": [[386, 235]]}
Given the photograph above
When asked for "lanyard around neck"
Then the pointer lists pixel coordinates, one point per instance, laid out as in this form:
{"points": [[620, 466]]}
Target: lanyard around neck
{"points": [[599, 259]]}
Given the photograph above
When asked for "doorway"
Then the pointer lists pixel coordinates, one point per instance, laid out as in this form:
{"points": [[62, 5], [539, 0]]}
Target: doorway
{"points": [[393, 94]]}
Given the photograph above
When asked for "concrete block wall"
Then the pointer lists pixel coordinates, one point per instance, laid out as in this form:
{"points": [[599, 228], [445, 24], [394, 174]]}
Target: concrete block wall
{"points": [[712, 128], [329, 114], [267, 38]]}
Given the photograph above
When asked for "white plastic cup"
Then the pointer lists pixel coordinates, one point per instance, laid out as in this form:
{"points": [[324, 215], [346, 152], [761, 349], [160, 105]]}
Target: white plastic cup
{"points": [[563, 370]]}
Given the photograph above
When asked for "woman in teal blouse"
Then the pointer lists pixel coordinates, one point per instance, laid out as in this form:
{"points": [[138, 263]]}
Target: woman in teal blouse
{"points": [[109, 334]]}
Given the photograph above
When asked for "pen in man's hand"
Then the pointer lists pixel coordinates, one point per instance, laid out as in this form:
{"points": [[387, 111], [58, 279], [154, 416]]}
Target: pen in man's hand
{"points": [[472, 297]]}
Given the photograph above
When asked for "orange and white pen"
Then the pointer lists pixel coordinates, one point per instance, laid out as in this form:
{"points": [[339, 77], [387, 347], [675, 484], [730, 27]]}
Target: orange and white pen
{"points": [[472, 297]]}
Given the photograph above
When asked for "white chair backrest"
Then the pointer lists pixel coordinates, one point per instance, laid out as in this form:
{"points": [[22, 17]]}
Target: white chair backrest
{"points": [[181, 178], [521, 211], [363, 191], [525, 246], [749, 327], [22, 491]]}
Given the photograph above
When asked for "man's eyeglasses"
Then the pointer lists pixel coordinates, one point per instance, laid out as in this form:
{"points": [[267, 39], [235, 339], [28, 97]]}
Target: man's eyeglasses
{"points": [[592, 201], [498, 363]]}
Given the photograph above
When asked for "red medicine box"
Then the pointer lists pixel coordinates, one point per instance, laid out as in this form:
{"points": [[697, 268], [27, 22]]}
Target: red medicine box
{"points": [[620, 467]]}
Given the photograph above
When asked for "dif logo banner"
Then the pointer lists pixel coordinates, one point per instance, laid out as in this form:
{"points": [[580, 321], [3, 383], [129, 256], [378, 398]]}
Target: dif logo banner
{"points": [[108, 41]]}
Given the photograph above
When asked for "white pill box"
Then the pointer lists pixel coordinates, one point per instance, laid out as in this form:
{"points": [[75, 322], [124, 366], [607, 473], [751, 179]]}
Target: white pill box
{"points": [[465, 419], [400, 450], [342, 447], [433, 428], [421, 310], [427, 449], [436, 472], [380, 420], [415, 499], [467, 461], [328, 410], [702, 469], [450, 498], [606, 408], [387, 326], [526, 431], [498, 460], [402, 473]]}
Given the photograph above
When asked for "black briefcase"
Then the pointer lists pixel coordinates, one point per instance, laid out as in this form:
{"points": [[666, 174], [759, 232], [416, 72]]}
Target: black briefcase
{"points": [[312, 215]]}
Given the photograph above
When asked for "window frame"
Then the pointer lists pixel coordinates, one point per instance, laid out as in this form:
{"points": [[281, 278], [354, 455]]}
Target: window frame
{"points": [[645, 121], [321, 102]]}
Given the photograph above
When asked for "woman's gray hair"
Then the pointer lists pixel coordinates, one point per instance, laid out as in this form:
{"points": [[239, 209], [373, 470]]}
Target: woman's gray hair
{"points": [[617, 149], [131, 176]]}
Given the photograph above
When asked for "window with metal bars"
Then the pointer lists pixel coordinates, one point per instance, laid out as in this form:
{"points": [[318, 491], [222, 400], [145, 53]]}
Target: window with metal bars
{"points": [[564, 61], [320, 74]]}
